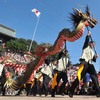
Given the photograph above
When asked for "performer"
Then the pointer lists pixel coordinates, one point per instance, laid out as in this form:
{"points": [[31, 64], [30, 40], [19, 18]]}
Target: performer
{"points": [[38, 79], [61, 72], [47, 75], [86, 59], [2, 78]]}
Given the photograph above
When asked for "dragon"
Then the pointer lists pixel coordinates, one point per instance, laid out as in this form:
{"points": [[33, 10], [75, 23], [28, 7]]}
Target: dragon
{"points": [[80, 20]]}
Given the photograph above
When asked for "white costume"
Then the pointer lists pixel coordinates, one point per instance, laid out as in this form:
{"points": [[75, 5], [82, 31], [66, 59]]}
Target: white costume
{"points": [[1, 68], [62, 63], [88, 54]]}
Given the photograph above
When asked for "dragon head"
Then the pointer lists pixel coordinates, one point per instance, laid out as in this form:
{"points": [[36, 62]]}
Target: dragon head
{"points": [[78, 16]]}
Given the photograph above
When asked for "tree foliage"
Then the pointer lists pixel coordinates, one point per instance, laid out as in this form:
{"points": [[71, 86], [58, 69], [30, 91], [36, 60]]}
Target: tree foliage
{"points": [[20, 44]]}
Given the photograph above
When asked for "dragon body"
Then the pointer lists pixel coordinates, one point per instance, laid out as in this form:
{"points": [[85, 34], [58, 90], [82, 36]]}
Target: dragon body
{"points": [[80, 21]]}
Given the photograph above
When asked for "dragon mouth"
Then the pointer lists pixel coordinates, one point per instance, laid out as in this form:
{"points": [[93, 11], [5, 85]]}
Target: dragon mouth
{"points": [[92, 23]]}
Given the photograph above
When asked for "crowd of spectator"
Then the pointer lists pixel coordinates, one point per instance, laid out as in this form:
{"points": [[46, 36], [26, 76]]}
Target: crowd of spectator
{"points": [[16, 63]]}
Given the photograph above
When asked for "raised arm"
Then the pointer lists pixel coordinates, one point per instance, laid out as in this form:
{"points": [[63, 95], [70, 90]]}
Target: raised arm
{"points": [[86, 43]]}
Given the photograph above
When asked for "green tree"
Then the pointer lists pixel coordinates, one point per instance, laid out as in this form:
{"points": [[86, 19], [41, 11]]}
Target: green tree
{"points": [[20, 44]]}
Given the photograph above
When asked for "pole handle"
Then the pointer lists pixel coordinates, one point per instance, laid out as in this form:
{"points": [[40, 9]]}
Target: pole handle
{"points": [[92, 40]]}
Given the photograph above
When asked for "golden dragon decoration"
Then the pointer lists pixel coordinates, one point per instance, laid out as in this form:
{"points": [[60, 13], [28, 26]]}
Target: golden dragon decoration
{"points": [[80, 21]]}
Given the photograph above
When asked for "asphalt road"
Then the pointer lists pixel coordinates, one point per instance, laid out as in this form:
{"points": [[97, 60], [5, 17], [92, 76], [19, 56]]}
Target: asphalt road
{"points": [[58, 97]]}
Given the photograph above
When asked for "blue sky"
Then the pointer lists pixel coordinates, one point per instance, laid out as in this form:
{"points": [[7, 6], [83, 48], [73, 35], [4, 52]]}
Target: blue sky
{"points": [[17, 15]]}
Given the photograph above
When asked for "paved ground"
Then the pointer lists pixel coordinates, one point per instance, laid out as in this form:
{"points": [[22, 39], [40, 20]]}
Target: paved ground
{"points": [[58, 97]]}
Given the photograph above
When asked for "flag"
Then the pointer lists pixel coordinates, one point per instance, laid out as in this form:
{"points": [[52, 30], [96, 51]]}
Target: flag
{"points": [[37, 13]]}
